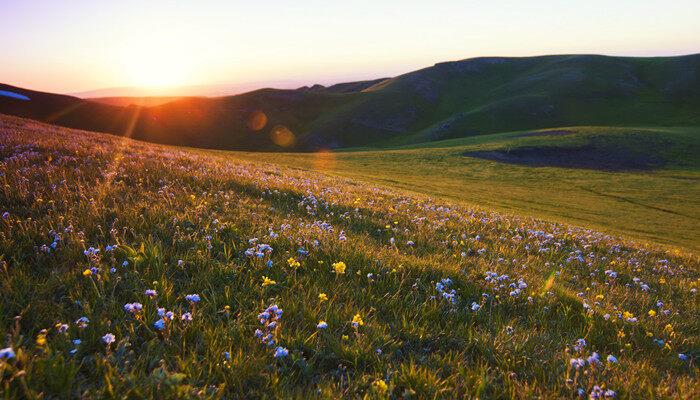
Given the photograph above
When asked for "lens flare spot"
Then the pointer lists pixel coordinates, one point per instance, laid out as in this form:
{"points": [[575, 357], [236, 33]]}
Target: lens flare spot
{"points": [[257, 120], [324, 160], [282, 136]]}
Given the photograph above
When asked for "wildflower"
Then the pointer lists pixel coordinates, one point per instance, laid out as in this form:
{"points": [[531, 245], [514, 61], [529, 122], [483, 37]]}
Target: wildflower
{"points": [[281, 352], [227, 356], [160, 324], [322, 297], [475, 306], [612, 359], [593, 359], [187, 317], [62, 328], [357, 321], [577, 363], [41, 338], [108, 339], [87, 272], [161, 312], [82, 322], [5, 215], [380, 386], [322, 325], [7, 353], [580, 344], [339, 267], [193, 298], [681, 356], [151, 293], [267, 281], [133, 308], [180, 263]]}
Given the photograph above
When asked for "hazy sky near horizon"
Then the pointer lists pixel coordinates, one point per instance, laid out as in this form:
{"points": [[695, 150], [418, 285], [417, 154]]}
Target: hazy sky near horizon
{"points": [[79, 45]]}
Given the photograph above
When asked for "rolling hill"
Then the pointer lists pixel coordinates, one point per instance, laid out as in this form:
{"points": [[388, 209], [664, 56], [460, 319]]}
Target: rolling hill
{"points": [[448, 100]]}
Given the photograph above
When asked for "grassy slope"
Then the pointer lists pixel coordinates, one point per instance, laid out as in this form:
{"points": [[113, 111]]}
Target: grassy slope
{"points": [[162, 204], [660, 206]]}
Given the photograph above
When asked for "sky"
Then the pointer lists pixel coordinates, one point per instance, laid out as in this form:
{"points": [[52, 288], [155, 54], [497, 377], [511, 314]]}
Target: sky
{"points": [[81, 45]]}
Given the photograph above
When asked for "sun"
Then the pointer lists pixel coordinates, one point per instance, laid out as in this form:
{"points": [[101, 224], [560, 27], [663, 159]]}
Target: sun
{"points": [[153, 69]]}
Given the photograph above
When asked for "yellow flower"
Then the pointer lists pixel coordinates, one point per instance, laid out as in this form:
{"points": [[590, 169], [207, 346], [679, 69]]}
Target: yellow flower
{"points": [[380, 386], [357, 321], [87, 272], [339, 267], [662, 280], [620, 334], [627, 315], [345, 337], [652, 313], [668, 328], [267, 281], [293, 263], [600, 297], [322, 297], [41, 339]]}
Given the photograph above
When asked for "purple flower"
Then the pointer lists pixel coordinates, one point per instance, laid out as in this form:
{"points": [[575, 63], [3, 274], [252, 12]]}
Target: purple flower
{"points": [[108, 339]]}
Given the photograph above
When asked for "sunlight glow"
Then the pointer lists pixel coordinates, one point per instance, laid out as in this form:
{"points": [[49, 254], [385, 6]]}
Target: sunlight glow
{"points": [[154, 69]]}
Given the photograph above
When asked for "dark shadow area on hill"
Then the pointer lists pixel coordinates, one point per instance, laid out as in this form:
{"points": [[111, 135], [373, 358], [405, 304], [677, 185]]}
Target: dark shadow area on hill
{"points": [[590, 156]]}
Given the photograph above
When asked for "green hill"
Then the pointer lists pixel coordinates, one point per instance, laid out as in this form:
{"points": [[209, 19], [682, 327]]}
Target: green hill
{"points": [[448, 100]]}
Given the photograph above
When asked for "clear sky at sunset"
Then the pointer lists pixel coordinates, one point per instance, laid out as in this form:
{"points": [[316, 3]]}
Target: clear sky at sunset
{"points": [[79, 45]]}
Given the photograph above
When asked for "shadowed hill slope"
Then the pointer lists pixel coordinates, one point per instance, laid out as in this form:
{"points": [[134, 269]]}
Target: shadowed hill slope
{"points": [[448, 100]]}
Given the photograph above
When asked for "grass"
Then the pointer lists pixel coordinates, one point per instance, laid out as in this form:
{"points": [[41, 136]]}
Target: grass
{"points": [[659, 205], [181, 222]]}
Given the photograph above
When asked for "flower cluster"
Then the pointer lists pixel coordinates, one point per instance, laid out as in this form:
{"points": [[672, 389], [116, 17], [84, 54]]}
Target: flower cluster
{"points": [[270, 321]]}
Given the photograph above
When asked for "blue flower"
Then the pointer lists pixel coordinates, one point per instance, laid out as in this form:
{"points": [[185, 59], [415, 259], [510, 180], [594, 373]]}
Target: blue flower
{"points": [[193, 298], [151, 293], [186, 317], [322, 325], [281, 352], [160, 324], [7, 353], [227, 356], [683, 357], [612, 359]]}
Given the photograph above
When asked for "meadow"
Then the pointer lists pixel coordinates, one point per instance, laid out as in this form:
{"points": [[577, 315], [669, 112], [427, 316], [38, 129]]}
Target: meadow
{"points": [[642, 183], [135, 270]]}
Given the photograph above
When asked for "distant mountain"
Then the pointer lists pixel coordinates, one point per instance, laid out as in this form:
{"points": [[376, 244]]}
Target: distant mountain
{"points": [[146, 101], [448, 100]]}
